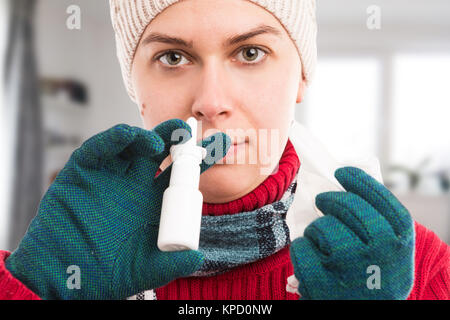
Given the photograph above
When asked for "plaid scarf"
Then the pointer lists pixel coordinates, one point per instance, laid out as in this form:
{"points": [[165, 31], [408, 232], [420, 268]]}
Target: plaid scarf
{"points": [[229, 241]]}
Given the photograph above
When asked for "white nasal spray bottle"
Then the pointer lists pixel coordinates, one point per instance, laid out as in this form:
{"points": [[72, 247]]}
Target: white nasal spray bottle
{"points": [[181, 212]]}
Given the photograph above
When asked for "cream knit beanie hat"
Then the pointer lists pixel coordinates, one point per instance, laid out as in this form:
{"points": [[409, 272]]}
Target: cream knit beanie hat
{"points": [[131, 17]]}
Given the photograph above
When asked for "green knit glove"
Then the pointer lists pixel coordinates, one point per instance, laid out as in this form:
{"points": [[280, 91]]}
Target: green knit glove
{"points": [[363, 246], [101, 217]]}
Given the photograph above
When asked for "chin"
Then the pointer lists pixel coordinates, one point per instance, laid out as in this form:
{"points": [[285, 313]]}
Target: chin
{"points": [[224, 182]]}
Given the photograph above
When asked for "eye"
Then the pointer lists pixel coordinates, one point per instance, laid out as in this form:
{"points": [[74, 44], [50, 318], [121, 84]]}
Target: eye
{"points": [[251, 54], [172, 57]]}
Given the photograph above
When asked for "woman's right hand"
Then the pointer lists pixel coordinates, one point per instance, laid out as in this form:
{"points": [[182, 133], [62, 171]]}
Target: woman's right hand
{"points": [[98, 222]]}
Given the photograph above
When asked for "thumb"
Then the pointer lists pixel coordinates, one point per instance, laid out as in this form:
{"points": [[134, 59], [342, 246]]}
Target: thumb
{"points": [[179, 264]]}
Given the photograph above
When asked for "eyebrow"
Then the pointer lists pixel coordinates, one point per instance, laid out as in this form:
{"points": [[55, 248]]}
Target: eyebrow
{"points": [[163, 38]]}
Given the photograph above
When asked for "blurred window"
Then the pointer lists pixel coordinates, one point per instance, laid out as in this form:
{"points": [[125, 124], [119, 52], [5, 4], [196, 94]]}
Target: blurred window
{"points": [[421, 110]]}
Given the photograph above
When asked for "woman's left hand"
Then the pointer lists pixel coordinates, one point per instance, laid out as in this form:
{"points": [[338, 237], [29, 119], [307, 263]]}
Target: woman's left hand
{"points": [[363, 246]]}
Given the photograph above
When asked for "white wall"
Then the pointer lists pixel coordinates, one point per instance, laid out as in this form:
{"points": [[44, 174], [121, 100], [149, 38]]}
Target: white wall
{"points": [[89, 56]]}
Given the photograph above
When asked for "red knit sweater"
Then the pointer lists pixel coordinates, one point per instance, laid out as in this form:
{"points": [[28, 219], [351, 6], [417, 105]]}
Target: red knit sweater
{"points": [[266, 279]]}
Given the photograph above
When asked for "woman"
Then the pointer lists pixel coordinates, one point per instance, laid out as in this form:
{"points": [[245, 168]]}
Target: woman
{"points": [[233, 65]]}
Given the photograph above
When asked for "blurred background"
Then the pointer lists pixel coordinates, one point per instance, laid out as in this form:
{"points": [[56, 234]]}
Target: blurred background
{"points": [[381, 89]]}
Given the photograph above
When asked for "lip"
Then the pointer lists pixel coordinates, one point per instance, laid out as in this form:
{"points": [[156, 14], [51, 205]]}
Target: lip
{"points": [[234, 148], [234, 142], [245, 140]]}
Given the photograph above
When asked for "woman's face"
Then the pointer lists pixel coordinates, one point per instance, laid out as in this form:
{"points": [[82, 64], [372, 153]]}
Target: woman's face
{"points": [[246, 87]]}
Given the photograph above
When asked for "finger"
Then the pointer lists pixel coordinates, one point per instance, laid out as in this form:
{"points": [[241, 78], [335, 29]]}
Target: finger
{"points": [[308, 268], [146, 143], [217, 146], [358, 182], [331, 236], [172, 132], [111, 142], [356, 213], [218, 141]]}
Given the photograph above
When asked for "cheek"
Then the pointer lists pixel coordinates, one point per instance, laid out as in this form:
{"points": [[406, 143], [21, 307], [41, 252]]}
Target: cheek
{"points": [[273, 107], [161, 102], [272, 116], [275, 98]]}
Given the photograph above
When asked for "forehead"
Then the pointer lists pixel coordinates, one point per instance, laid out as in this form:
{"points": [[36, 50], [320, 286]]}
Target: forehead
{"points": [[212, 19]]}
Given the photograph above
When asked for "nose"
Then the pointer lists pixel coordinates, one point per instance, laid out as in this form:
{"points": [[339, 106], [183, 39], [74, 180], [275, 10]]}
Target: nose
{"points": [[212, 102]]}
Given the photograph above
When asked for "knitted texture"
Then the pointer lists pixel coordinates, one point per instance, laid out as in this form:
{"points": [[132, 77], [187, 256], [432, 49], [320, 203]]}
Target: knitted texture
{"points": [[261, 280], [266, 279], [10, 287], [364, 231], [131, 17], [228, 241], [102, 215], [431, 268]]}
